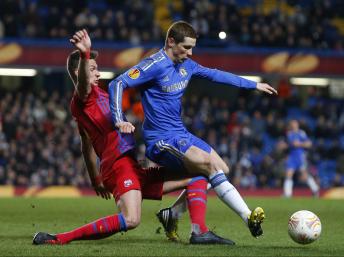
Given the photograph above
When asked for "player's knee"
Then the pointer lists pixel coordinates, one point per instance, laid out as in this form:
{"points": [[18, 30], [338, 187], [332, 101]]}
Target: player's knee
{"points": [[208, 164], [289, 174], [304, 176], [203, 163], [132, 221], [216, 165], [225, 169]]}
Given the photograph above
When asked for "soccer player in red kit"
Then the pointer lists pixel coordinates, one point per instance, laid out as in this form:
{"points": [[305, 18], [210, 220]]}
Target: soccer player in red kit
{"points": [[120, 173]]}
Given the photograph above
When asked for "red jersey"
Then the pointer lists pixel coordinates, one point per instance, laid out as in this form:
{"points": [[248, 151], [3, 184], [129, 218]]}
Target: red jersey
{"points": [[94, 116]]}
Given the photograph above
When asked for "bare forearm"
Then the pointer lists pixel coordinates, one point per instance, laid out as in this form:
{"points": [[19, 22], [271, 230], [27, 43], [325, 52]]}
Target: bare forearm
{"points": [[82, 42], [91, 164], [83, 84], [307, 144], [89, 155]]}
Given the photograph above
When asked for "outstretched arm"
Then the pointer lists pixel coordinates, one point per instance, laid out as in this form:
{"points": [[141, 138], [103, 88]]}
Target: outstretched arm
{"points": [[90, 161], [230, 79], [82, 42]]}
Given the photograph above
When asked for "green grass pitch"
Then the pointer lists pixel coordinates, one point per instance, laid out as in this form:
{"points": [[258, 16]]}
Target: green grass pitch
{"points": [[20, 218]]}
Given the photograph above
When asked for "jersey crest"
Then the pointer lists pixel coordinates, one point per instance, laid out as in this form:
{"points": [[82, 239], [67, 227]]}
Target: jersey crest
{"points": [[183, 72]]}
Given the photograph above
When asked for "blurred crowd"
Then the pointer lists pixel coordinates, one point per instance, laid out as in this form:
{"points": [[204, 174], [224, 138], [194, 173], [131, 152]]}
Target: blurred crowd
{"points": [[293, 24], [283, 23], [40, 146]]}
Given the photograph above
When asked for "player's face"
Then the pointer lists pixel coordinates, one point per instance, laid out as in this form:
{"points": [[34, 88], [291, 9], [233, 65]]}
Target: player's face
{"points": [[94, 72], [183, 50], [294, 125]]}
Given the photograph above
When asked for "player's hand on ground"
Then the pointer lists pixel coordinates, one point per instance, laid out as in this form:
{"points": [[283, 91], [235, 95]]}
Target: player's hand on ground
{"points": [[102, 191], [125, 127], [81, 40], [266, 88]]}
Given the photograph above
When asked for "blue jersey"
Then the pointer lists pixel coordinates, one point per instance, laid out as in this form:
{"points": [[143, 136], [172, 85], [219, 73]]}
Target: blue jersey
{"points": [[162, 83], [292, 136]]}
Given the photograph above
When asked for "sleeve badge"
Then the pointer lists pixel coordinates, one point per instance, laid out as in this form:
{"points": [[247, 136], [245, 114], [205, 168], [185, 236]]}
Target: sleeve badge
{"points": [[134, 73]]}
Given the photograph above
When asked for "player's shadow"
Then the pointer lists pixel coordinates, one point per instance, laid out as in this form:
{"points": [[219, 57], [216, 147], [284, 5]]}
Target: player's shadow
{"points": [[19, 237], [279, 247], [127, 241], [135, 241]]}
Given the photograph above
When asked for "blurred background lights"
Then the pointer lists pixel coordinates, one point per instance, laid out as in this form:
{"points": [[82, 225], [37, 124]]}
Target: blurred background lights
{"points": [[222, 35]]}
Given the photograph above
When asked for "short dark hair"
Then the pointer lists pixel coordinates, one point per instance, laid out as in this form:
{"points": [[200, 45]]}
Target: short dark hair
{"points": [[179, 30], [73, 62]]}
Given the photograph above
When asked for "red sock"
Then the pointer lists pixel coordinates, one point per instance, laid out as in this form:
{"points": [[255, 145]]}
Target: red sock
{"points": [[197, 204], [98, 229]]}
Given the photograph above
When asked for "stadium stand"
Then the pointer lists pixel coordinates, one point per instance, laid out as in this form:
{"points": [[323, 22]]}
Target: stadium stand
{"points": [[269, 23], [39, 144]]}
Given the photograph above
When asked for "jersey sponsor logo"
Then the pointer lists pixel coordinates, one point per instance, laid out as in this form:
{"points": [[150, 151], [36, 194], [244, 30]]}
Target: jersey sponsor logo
{"points": [[134, 73], [175, 87], [128, 183], [183, 72]]}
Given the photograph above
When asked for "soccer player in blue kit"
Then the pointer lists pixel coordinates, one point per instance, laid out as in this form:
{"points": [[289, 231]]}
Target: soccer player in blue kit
{"points": [[298, 143], [163, 78]]}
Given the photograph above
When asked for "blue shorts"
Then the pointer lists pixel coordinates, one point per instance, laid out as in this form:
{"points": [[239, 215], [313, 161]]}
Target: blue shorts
{"points": [[170, 152], [296, 163]]}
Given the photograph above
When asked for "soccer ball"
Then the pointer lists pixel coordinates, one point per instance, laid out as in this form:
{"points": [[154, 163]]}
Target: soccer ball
{"points": [[304, 227]]}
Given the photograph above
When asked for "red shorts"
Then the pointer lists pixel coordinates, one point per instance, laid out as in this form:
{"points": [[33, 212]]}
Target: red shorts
{"points": [[126, 174]]}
